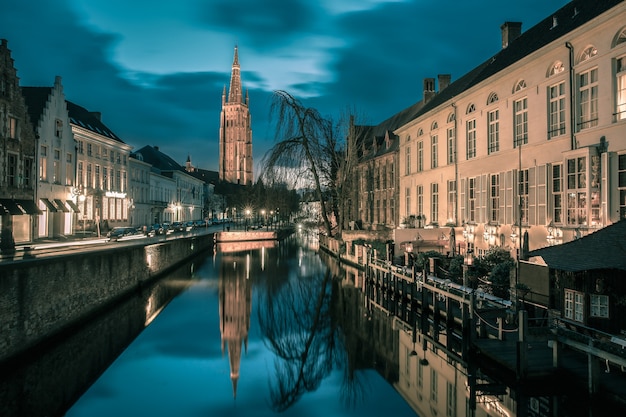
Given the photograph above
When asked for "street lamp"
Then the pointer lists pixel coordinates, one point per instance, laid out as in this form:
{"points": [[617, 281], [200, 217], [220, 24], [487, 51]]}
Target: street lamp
{"points": [[468, 261], [247, 215]]}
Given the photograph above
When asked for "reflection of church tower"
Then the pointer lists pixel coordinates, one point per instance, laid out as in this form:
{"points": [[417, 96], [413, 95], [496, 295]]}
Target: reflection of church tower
{"points": [[235, 132], [235, 306]]}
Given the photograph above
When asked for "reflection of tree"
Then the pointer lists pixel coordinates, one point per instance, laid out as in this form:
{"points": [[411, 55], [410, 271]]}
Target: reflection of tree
{"points": [[297, 326], [298, 321]]}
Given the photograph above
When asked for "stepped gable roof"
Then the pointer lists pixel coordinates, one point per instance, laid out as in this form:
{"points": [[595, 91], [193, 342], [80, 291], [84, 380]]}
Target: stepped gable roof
{"points": [[602, 249], [36, 99], [367, 134], [568, 18], [80, 116], [158, 159]]}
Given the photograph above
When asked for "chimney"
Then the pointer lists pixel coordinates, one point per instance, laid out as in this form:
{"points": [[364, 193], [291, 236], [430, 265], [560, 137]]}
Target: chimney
{"points": [[156, 148], [97, 115], [429, 89], [510, 32], [444, 81]]}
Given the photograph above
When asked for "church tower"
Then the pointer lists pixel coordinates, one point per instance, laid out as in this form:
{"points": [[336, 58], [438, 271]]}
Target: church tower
{"points": [[235, 132]]}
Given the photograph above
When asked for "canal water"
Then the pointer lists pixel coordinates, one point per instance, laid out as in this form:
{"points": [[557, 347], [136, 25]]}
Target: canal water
{"points": [[256, 332], [266, 329]]}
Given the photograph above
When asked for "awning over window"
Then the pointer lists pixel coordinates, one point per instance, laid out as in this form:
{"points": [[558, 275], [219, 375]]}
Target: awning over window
{"points": [[73, 206], [9, 207], [51, 207], [29, 206], [61, 205]]}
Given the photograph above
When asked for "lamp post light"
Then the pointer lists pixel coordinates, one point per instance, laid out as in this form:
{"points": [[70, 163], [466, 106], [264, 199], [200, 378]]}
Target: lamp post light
{"points": [[247, 215], [468, 261]]}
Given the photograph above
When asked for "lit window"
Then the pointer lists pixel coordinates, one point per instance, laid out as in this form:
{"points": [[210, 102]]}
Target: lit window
{"points": [[577, 191], [13, 128], [588, 99], [556, 68], [574, 304]]}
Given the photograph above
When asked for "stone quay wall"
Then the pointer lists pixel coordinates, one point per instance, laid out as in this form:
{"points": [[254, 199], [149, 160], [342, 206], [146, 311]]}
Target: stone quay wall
{"points": [[41, 297]]}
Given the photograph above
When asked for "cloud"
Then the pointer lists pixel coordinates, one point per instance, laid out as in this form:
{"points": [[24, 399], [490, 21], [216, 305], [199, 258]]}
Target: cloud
{"points": [[157, 70], [260, 24]]}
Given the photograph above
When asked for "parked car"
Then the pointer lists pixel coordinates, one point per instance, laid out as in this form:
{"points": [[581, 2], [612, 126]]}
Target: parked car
{"points": [[155, 230], [119, 232], [188, 226], [178, 227], [200, 223]]}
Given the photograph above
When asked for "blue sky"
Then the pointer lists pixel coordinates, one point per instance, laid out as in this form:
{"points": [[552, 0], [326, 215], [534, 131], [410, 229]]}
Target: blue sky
{"points": [[156, 69]]}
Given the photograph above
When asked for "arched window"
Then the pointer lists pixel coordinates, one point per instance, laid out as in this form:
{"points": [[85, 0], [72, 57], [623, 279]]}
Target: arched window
{"points": [[619, 38], [493, 98], [434, 126], [451, 118], [521, 84], [420, 132], [408, 138], [588, 53], [556, 68], [470, 109]]}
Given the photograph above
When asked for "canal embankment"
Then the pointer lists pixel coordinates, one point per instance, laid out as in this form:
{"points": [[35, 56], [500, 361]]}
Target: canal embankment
{"points": [[40, 298]]}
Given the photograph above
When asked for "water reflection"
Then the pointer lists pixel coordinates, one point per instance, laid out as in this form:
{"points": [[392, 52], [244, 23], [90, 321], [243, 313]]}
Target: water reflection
{"points": [[261, 331], [235, 304], [47, 380]]}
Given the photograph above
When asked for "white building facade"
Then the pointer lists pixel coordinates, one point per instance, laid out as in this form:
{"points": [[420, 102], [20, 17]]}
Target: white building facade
{"points": [[140, 207], [56, 163], [533, 140], [101, 172]]}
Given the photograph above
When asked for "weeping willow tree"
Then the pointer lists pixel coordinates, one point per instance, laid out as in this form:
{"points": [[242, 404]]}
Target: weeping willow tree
{"points": [[301, 152]]}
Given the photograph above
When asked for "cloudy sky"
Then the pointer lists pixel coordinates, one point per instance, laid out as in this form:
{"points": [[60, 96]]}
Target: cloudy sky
{"points": [[156, 69]]}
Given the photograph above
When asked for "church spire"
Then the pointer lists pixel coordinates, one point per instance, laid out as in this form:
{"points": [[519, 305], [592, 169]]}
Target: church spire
{"points": [[234, 92]]}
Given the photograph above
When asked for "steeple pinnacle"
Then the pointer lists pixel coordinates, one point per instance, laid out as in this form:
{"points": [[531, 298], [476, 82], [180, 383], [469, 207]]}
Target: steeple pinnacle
{"points": [[234, 92]]}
